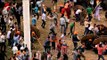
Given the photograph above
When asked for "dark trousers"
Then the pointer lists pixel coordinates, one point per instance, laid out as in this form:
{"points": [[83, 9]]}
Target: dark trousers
{"points": [[53, 45], [63, 28], [18, 21], [43, 24], [71, 31], [47, 48], [52, 31], [37, 14], [3, 46], [3, 27], [75, 45], [77, 17], [66, 25], [9, 41], [100, 56], [55, 21], [86, 31]]}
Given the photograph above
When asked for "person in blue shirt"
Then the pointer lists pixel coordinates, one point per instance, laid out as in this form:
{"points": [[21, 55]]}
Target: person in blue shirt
{"points": [[36, 11], [34, 20], [47, 44]]}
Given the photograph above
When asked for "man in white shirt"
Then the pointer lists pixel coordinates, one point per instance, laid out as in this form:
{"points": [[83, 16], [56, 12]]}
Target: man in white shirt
{"points": [[10, 22], [77, 14], [39, 4], [3, 41], [62, 24], [86, 25], [43, 20], [8, 37], [14, 49]]}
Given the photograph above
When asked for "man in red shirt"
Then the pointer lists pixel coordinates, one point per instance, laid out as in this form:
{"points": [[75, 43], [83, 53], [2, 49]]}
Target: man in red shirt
{"points": [[67, 9], [100, 49]]}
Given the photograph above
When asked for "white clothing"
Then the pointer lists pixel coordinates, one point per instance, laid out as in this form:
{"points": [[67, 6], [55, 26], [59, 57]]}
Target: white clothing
{"points": [[62, 21], [75, 1], [22, 48], [78, 11], [3, 38], [44, 16], [39, 3], [8, 34], [52, 26], [55, 15], [14, 49], [91, 27], [34, 18], [62, 36], [38, 55], [86, 23], [10, 23], [92, 2], [66, 19], [96, 29]]}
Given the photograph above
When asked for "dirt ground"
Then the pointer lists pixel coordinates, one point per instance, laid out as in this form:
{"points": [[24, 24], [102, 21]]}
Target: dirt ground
{"points": [[90, 55]]}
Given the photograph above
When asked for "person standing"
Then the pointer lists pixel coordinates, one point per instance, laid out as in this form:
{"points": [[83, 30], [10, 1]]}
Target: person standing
{"points": [[49, 56], [72, 26], [43, 19], [54, 40], [36, 11], [100, 49], [75, 39], [86, 25], [77, 14], [52, 28], [47, 46], [55, 16], [97, 12], [18, 15], [76, 54], [3, 45], [8, 37], [34, 20], [89, 11], [81, 51], [92, 3], [63, 23], [3, 24], [64, 48], [39, 4]]}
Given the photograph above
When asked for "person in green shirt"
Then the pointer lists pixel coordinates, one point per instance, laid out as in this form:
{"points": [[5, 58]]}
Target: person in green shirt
{"points": [[89, 10], [72, 26]]}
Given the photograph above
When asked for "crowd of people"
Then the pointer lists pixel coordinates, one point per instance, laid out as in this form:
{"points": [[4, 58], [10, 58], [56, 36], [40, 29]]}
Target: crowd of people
{"points": [[59, 17]]}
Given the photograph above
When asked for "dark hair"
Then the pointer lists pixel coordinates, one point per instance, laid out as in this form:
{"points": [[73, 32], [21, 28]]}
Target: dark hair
{"points": [[62, 15], [44, 12], [65, 57], [34, 15], [59, 54], [100, 45], [35, 54], [48, 36]]}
